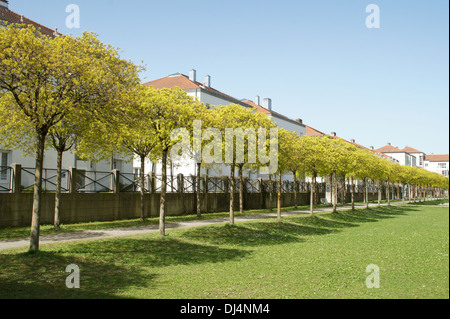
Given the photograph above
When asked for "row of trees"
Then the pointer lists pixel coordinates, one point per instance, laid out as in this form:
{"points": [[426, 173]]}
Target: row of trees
{"points": [[78, 94], [343, 162]]}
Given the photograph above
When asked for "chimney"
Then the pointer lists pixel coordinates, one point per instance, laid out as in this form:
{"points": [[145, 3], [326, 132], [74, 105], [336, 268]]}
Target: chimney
{"points": [[372, 148], [257, 100], [4, 4], [207, 81], [353, 141], [333, 133], [389, 144], [267, 104], [299, 121], [193, 75]]}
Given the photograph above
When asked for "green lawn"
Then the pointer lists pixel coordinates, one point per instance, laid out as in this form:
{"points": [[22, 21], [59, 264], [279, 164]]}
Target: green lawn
{"points": [[301, 257]]}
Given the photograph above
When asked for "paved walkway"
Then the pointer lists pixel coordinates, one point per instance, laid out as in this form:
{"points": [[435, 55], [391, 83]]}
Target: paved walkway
{"points": [[130, 231]]}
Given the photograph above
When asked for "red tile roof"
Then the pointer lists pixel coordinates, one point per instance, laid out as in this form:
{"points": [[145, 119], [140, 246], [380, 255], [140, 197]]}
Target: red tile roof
{"points": [[182, 81], [313, 132], [410, 150], [437, 158], [258, 107], [8, 16], [389, 149], [174, 81], [262, 109]]}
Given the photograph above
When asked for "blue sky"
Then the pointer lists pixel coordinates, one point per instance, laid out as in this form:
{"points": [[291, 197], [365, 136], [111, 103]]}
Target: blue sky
{"points": [[316, 59]]}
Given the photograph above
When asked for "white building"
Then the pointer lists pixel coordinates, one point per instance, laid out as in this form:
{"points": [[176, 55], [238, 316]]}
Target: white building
{"points": [[437, 164], [418, 155], [211, 97], [402, 156]]}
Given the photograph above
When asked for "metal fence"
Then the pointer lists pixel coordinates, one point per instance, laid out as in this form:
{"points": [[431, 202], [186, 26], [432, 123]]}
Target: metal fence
{"points": [[49, 179], [83, 181], [5, 179]]}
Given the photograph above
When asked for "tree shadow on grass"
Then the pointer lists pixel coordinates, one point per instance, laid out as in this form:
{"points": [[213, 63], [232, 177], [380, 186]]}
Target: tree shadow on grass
{"points": [[106, 267], [316, 221], [160, 252], [42, 276], [343, 219], [349, 218], [369, 215], [254, 233]]}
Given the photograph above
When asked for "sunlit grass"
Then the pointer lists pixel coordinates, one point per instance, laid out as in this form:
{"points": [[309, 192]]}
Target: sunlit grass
{"points": [[299, 257]]}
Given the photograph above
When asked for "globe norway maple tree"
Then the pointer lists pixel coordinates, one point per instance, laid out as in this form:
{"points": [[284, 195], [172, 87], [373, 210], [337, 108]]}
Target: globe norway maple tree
{"points": [[49, 78]]}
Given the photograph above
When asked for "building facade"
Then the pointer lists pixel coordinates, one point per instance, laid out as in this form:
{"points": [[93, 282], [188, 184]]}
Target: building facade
{"points": [[437, 164], [211, 97]]}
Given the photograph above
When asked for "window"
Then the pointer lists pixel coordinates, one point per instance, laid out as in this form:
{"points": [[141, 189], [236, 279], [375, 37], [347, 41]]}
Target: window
{"points": [[442, 165], [3, 166]]}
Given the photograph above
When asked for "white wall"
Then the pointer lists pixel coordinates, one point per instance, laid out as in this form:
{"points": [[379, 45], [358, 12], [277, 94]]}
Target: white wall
{"points": [[299, 129], [437, 167], [417, 158]]}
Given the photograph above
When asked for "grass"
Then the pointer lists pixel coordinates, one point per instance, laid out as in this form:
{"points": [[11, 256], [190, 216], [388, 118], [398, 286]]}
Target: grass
{"points": [[431, 202], [301, 257]]}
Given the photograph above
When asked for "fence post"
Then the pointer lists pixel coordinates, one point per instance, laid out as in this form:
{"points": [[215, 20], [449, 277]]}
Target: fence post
{"points": [[180, 183], [226, 184], [73, 180], [16, 178], [152, 184], [205, 192], [261, 193], [115, 181]]}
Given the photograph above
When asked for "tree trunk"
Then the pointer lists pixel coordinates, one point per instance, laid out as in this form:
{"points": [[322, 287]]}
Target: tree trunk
{"points": [[334, 196], [241, 190], [295, 189], [379, 193], [232, 193], [316, 190], [312, 189], [198, 190], [404, 193], [352, 191], [388, 190], [35, 221], [367, 192], [56, 222], [162, 209], [279, 198], [344, 191], [364, 191], [270, 192], [142, 190], [410, 192], [373, 190]]}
